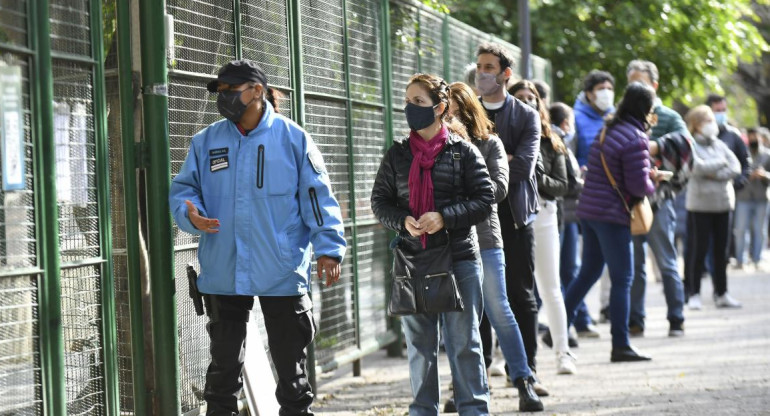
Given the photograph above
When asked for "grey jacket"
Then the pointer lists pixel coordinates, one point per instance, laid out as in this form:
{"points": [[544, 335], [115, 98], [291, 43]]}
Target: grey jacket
{"points": [[714, 167], [493, 151], [518, 126], [756, 189]]}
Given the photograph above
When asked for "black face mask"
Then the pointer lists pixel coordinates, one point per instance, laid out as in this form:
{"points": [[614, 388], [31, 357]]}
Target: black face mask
{"points": [[230, 105], [418, 117], [754, 146]]}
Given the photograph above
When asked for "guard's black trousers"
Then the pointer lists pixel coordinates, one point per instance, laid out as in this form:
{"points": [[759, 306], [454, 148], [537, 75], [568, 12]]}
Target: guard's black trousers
{"points": [[290, 329]]}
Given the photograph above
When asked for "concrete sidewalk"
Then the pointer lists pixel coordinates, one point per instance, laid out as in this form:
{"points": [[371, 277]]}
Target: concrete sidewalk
{"points": [[720, 367]]}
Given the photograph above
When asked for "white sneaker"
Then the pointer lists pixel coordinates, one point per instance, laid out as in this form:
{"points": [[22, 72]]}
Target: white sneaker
{"points": [[497, 368], [727, 301], [565, 363], [694, 303]]}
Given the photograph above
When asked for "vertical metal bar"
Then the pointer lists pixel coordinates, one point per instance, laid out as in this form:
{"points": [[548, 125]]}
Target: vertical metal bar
{"points": [[237, 28], [161, 249], [394, 349], [293, 9], [445, 49], [107, 295], [351, 181], [47, 214], [127, 107]]}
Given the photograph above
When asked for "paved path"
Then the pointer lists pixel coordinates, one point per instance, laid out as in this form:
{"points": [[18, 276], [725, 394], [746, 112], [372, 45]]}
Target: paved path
{"points": [[720, 367]]}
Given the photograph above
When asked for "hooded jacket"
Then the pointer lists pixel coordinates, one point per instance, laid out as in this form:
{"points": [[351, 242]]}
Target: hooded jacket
{"points": [[588, 124], [272, 196]]}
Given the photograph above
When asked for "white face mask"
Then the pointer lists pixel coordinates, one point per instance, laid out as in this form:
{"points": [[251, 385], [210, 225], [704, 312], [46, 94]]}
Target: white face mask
{"points": [[604, 99], [710, 129]]}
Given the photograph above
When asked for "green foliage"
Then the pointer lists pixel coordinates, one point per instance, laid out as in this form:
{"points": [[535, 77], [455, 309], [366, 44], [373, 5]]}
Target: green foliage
{"points": [[109, 23], [691, 41]]}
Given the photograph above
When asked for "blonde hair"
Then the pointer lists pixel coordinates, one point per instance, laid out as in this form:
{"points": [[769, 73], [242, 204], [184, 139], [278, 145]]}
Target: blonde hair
{"points": [[696, 116]]}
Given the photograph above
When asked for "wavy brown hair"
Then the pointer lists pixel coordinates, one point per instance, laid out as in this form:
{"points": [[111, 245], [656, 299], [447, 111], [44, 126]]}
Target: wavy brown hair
{"points": [[438, 91], [470, 112], [545, 118]]}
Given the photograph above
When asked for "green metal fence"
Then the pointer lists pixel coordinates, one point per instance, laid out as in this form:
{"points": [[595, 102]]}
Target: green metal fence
{"points": [[80, 332]]}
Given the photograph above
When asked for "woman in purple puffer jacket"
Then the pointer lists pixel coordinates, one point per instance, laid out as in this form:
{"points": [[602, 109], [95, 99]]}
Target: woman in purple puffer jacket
{"points": [[603, 217]]}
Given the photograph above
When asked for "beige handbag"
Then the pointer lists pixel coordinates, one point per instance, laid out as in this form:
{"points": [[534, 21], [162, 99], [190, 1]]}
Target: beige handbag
{"points": [[641, 213]]}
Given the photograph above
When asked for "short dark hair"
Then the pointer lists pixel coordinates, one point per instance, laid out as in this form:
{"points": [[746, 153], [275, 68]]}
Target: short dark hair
{"points": [[543, 89], [596, 77], [503, 54], [636, 104], [643, 66], [559, 112], [752, 130], [714, 98]]}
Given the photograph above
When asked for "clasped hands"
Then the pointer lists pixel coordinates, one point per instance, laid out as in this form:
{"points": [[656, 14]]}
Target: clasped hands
{"points": [[429, 223]]}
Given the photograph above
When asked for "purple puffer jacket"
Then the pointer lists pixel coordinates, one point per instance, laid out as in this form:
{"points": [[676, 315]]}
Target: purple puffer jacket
{"points": [[626, 151]]}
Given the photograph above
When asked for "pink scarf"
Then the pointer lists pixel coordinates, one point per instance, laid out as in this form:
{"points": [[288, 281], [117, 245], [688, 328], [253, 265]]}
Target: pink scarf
{"points": [[420, 180]]}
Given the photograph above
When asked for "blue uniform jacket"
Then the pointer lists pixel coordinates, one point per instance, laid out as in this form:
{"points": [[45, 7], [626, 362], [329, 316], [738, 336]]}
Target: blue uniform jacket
{"points": [[272, 196]]}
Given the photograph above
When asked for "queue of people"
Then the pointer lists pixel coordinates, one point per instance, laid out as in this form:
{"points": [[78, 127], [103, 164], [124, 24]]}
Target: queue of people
{"points": [[531, 201]]}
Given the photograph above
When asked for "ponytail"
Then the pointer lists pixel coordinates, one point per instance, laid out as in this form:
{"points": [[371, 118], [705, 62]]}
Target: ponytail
{"points": [[274, 97]]}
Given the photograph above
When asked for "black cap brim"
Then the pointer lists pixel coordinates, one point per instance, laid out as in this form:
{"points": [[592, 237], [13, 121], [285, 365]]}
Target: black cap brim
{"points": [[213, 85]]}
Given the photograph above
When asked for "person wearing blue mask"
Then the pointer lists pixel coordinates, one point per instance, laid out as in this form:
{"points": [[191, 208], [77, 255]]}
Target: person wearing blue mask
{"points": [[255, 188]]}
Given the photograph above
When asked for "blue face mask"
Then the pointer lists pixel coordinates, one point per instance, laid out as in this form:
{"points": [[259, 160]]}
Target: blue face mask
{"points": [[419, 117], [721, 118]]}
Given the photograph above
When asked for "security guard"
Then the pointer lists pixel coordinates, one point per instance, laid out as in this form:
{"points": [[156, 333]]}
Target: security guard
{"points": [[255, 187]]}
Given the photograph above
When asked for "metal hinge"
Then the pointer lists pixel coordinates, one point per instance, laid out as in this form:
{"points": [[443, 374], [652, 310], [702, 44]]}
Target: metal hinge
{"points": [[141, 155]]}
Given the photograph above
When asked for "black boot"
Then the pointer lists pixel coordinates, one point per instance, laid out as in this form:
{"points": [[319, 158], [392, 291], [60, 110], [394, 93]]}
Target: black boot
{"points": [[449, 406], [528, 400]]}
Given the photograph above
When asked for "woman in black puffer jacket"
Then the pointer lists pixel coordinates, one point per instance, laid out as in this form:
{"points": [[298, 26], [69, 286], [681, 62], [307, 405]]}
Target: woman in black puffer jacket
{"points": [[432, 186]]}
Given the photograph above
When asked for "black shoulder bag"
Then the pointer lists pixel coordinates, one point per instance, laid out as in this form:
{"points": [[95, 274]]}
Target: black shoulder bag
{"points": [[424, 282]]}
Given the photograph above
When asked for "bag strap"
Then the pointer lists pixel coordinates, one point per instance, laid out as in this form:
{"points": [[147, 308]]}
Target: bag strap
{"points": [[607, 170]]}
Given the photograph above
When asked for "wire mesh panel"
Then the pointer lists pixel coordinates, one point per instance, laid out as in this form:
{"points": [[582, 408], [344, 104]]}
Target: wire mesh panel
{"points": [[83, 349], [431, 46], [18, 245], [204, 36], [403, 45], [368, 148], [326, 123], [364, 50], [13, 22], [372, 255], [334, 311], [265, 38], [400, 126], [323, 47], [71, 26], [75, 161], [20, 373], [460, 51]]}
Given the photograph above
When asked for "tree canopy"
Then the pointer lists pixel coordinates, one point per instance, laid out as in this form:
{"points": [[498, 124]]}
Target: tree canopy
{"points": [[692, 42]]}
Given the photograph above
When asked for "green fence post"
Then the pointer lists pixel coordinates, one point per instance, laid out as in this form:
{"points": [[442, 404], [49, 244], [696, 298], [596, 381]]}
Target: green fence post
{"points": [[47, 215], [351, 181], [394, 349], [107, 295], [126, 91], [161, 250], [298, 111]]}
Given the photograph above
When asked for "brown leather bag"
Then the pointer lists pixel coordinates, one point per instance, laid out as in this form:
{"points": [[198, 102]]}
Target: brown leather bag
{"points": [[641, 213]]}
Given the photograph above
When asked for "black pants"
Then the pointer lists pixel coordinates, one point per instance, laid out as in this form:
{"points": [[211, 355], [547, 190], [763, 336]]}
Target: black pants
{"points": [[519, 250], [485, 329], [703, 227], [290, 329]]}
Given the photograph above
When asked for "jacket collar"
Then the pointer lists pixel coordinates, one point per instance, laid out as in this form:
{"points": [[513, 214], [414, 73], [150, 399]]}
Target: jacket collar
{"points": [[268, 117]]}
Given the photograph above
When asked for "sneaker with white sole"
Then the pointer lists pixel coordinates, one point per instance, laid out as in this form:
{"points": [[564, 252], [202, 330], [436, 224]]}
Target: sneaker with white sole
{"points": [[727, 301], [590, 331], [497, 368], [695, 303], [565, 363]]}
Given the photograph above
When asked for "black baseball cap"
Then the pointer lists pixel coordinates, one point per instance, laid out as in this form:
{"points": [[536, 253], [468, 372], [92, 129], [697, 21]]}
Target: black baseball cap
{"points": [[238, 72]]}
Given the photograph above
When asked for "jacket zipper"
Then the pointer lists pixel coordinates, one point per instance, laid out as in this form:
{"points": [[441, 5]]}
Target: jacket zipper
{"points": [[316, 207], [261, 166]]}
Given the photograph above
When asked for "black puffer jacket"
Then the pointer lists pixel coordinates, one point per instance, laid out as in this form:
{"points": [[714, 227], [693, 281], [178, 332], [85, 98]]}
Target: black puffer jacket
{"points": [[462, 205], [552, 182]]}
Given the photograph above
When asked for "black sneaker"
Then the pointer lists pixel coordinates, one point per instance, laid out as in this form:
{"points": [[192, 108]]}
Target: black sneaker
{"points": [[628, 354], [548, 341], [449, 406], [676, 329], [635, 331], [528, 400]]}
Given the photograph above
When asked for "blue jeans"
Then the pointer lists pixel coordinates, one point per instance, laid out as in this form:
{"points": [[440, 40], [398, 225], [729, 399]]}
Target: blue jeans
{"points": [[499, 313], [463, 347], [610, 244], [661, 241], [569, 265], [750, 216]]}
